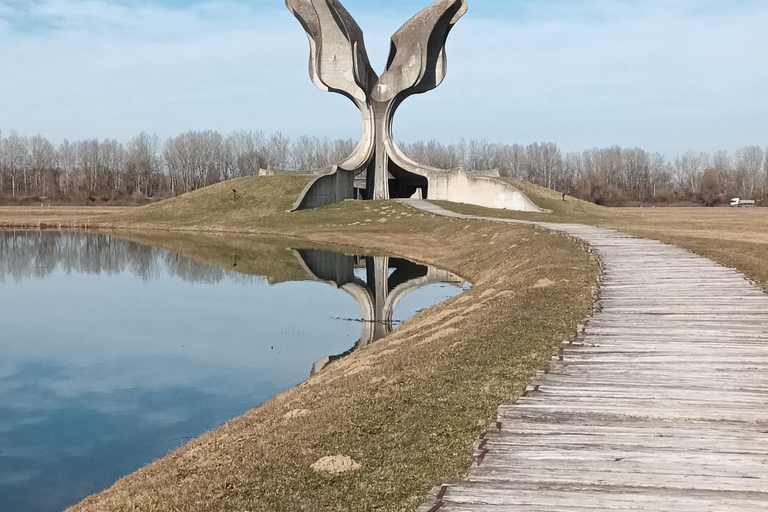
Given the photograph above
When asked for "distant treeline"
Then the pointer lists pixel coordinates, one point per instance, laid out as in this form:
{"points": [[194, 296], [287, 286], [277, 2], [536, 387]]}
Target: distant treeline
{"points": [[613, 176], [32, 169]]}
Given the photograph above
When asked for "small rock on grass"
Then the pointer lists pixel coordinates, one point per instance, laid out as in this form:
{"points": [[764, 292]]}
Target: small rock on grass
{"points": [[335, 465], [296, 413]]}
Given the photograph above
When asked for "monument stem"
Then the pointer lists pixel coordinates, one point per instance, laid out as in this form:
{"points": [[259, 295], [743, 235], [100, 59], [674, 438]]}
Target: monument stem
{"points": [[381, 112]]}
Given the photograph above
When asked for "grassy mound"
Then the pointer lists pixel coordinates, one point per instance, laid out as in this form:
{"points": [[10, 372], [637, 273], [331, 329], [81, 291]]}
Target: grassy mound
{"points": [[549, 199], [570, 210], [262, 206], [256, 199]]}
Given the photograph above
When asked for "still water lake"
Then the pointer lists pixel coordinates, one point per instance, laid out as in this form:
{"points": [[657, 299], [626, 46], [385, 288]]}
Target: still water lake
{"points": [[113, 353]]}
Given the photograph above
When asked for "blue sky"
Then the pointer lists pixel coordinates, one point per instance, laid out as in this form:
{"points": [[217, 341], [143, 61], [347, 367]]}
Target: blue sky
{"points": [[665, 75]]}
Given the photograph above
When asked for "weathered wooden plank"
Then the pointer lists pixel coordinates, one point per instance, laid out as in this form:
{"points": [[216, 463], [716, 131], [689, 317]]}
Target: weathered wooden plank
{"points": [[590, 392], [583, 474], [540, 497], [560, 423], [515, 442]]}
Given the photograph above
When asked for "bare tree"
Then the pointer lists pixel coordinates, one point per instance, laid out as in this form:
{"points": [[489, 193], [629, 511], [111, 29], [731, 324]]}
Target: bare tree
{"points": [[277, 151], [749, 167], [15, 161], [66, 162], [544, 164], [661, 175], [142, 164], [689, 169], [710, 187], [636, 173], [248, 152], [765, 177], [42, 161], [722, 163]]}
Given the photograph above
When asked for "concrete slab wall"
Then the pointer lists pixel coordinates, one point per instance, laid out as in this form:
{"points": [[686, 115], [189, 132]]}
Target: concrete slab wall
{"points": [[334, 187], [459, 187]]}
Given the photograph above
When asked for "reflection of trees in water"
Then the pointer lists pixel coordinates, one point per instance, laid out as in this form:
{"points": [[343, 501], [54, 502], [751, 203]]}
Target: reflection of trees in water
{"points": [[25, 254]]}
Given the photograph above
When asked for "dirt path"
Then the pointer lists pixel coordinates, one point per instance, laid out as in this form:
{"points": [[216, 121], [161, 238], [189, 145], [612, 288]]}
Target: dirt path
{"points": [[659, 405]]}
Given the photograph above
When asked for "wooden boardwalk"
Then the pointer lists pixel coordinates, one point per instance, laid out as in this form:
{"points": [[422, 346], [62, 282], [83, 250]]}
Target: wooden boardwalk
{"points": [[660, 405]]}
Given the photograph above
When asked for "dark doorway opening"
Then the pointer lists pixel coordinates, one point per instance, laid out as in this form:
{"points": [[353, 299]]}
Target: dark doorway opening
{"points": [[404, 184]]}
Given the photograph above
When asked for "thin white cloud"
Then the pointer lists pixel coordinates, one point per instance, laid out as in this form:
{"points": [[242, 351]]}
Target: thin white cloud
{"points": [[661, 74]]}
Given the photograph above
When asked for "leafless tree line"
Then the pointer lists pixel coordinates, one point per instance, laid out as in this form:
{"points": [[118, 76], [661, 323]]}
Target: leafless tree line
{"points": [[33, 167], [613, 176]]}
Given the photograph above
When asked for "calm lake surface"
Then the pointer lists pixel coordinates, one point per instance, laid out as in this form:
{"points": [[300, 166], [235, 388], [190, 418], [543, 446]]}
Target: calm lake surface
{"points": [[114, 353]]}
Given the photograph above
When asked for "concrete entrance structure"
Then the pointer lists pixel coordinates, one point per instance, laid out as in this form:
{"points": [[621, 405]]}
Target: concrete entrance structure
{"points": [[417, 63]]}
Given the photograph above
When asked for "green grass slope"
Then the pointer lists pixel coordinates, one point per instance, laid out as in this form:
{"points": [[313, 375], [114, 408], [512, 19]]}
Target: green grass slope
{"points": [[549, 199], [266, 202], [570, 210], [262, 206], [408, 408], [257, 199]]}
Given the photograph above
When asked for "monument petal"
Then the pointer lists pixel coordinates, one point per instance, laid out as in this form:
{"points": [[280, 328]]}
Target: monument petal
{"points": [[417, 59]]}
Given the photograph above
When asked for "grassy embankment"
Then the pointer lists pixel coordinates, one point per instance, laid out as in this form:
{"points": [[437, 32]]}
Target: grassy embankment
{"points": [[407, 408], [735, 237]]}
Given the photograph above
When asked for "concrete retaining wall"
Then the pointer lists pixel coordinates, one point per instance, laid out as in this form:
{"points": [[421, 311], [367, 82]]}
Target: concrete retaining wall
{"points": [[459, 187], [336, 186]]}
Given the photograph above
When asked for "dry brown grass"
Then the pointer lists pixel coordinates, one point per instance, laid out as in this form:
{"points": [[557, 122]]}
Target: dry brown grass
{"points": [[54, 217]]}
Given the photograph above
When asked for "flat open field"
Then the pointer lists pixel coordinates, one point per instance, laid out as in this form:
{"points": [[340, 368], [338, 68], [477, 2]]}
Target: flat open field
{"points": [[53, 216], [736, 237]]}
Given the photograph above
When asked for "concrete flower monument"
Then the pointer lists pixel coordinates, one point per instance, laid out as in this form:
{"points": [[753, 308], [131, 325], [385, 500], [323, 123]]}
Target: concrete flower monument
{"points": [[417, 63]]}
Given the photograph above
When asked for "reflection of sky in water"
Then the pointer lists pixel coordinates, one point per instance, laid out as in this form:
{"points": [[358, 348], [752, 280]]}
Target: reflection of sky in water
{"points": [[101, 373], [425, 297]]}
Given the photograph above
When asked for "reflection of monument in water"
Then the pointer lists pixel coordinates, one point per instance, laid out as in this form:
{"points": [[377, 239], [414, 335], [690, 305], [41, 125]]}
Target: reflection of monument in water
{"points": [[387, 281]]}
